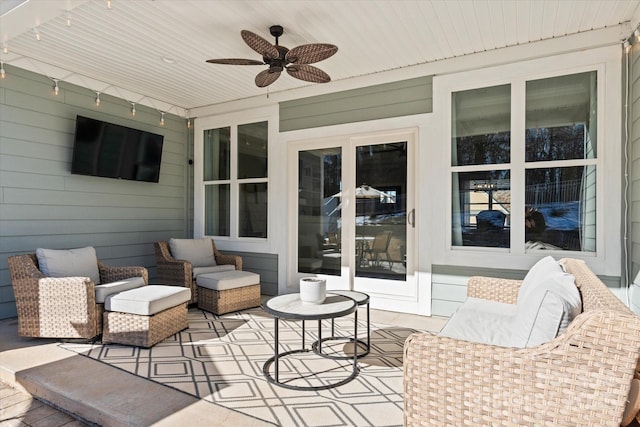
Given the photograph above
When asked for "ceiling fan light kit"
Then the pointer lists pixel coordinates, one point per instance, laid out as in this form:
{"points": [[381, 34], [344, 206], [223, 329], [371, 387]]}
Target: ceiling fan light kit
{"points": [[296, 61]]}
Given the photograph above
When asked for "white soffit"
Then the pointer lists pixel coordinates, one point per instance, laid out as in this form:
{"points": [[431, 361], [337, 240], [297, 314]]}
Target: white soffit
{"points": [[153, 52]]}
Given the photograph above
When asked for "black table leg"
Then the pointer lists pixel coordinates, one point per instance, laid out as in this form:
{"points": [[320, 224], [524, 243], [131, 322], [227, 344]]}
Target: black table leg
{"points": [[275, 356]]}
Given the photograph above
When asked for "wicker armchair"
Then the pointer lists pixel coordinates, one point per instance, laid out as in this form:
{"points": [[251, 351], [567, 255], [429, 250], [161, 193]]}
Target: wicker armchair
{"points": [[63, 307], [178, 272], [582, 377]]}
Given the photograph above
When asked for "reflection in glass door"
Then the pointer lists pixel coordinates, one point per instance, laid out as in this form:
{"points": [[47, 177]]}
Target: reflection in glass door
{"points": [[381, 211], [319, 211], [376, 241]]}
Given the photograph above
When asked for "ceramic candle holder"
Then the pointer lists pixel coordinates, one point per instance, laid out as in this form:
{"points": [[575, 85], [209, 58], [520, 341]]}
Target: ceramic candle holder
{"points": [[313, 290]]}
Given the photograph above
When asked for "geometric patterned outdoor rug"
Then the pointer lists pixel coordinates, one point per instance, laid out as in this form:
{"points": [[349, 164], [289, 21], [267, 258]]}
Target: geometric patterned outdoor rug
{"points": [[220, 358]]}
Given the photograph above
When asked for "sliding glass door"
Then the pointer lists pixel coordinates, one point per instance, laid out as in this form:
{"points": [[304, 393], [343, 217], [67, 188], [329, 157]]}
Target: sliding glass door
{"points": [[355, 215]]}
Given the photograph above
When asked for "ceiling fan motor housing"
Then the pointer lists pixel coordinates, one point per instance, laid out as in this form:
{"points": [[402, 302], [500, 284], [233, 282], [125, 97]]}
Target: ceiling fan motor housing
{"points": [[280, 62]]}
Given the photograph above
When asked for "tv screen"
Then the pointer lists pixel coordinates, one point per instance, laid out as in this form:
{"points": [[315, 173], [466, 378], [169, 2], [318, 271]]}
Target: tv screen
{"points": [[115, 151]]}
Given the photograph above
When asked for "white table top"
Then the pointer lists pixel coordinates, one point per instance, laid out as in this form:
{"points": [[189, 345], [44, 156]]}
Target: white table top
{"points": [[360, 297], [289, 306]]}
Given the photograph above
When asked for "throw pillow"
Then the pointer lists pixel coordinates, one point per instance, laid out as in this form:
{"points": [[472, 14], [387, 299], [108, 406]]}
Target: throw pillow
{"points": [[80, 262], [199, 252]]}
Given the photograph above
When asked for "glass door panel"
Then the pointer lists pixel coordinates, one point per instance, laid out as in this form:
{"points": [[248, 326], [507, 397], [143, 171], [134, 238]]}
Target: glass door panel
{"points": [[381, 211], [319, 211]]}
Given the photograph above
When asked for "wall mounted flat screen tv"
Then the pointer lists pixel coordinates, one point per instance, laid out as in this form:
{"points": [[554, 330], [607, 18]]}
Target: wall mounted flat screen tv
{"points": [[114, 151]]}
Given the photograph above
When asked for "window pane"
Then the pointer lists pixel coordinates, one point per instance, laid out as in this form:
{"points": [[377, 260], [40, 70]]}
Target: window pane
{"points": [[561, 208], [481, 209], [320, 211], [216, 210], [481, 126], [253, 210], [216, 154], [252, 150], [561, 118]]}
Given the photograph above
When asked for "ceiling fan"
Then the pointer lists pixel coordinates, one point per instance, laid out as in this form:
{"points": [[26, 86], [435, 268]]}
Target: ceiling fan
{"points": [[296, 61]]}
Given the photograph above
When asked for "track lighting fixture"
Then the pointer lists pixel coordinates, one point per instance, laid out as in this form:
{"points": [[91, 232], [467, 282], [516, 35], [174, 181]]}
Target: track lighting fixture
{"points": [[5, 49], [109, 4], [56, 88], [2, 72], [37, 33], [133, 108], [68, 21], [97, 99], [188, 123], [161, 118]]}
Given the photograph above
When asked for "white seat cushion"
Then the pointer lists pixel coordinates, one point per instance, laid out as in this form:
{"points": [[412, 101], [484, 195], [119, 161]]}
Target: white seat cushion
{"points": [[106, 289], [482, 321], [227, 280], [212, 269], [80, 262], [199, 252], [147, 300]]}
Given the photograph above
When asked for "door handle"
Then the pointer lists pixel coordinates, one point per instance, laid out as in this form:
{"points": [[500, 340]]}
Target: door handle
{"points": [[411, 218]]}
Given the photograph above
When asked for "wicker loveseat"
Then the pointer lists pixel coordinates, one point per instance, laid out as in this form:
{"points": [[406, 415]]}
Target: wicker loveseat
{"points": [[582, 377], [179, 272], [61, 307]]}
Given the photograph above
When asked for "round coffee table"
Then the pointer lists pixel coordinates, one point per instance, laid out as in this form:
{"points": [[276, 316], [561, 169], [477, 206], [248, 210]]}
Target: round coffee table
{"points": [[289, 307], [361, 299]]}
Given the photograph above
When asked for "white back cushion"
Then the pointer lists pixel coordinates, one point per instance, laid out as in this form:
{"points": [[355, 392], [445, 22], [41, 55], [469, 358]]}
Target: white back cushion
{"points": [[199, 252], [546, 310], [538, 274], [80, 262]]}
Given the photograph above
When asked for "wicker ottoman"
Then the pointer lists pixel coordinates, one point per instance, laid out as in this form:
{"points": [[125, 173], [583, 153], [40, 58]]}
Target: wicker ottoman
{"points": [[145, 316], [228, 291]]}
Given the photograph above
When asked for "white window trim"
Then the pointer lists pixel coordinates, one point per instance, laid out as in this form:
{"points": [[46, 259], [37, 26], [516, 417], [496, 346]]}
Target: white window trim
{"points": [[607, 62], [233, 242]]}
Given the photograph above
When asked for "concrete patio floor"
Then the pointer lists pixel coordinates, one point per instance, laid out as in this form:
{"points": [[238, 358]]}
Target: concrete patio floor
{"points": [[98, 394]]}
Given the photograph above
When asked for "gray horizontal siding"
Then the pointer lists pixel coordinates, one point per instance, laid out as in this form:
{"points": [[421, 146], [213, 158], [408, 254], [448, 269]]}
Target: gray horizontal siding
{"points": [[43, 205], [402, 98]]}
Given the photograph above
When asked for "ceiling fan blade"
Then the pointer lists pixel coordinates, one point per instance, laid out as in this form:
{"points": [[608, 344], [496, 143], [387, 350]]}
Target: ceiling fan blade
{"points": [[310, 53], [266, 77], [259, 44], [308, 73], [235, 61]]}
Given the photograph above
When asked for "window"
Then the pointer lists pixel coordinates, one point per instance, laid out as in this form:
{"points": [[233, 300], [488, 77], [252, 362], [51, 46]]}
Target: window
{"points": [[480, 160], [235, 179], [554, 162]]}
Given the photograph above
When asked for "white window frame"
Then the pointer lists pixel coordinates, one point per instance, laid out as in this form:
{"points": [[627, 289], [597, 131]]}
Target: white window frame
{"points": [[234, 120], [607, 63]]}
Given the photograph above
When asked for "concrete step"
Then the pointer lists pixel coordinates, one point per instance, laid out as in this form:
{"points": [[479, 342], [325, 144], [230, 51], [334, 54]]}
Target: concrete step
{"points": [[97, 393]]}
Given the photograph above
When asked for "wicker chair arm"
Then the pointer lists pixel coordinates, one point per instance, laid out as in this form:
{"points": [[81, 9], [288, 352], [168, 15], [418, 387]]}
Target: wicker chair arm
{"points": [[494, 289], [170, 270], [111, 274], [455, 382], [229, 259]]}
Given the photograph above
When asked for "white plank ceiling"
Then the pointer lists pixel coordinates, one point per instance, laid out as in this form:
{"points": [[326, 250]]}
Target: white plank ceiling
{"points": [[154, 51]]}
